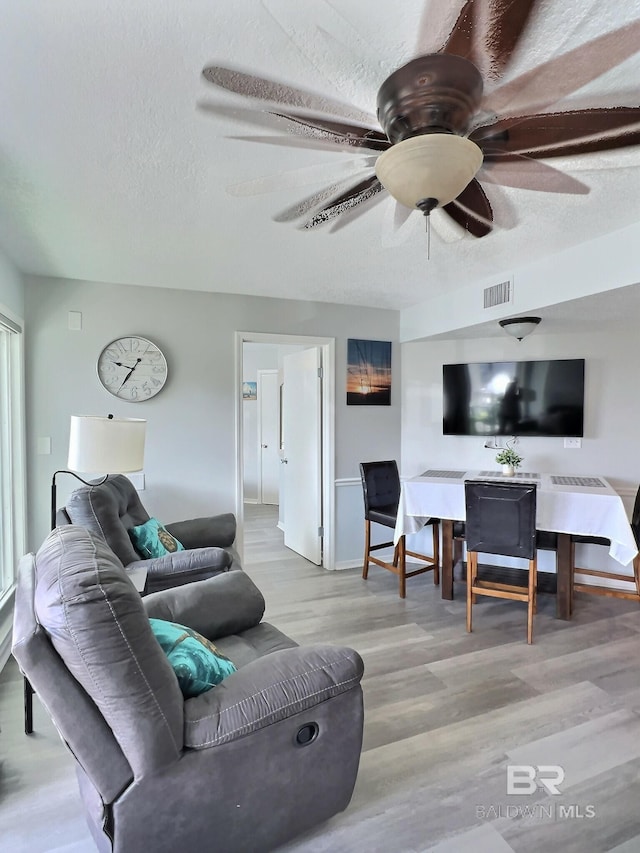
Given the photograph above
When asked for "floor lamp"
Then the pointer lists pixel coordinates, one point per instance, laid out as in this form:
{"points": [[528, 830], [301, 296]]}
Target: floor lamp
{"points": [[101, 446], [97, 445]]}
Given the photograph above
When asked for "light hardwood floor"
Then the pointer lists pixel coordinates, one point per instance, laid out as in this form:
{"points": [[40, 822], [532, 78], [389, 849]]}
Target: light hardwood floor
{"points": [[445, 713]]}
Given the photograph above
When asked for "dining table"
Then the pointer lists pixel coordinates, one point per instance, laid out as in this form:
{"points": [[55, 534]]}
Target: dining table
{"points": [[567, 506]]}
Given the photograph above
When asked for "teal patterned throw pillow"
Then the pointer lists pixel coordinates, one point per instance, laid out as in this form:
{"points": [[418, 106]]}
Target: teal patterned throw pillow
{"points": [[197, 663], [151, 539]]}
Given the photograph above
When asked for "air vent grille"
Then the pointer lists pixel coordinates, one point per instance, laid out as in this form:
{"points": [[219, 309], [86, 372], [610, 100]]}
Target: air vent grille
{"points": [[498, 294]]}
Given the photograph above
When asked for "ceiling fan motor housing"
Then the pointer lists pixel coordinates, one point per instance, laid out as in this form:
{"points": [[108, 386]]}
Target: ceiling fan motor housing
{"points": [[436, 93]]}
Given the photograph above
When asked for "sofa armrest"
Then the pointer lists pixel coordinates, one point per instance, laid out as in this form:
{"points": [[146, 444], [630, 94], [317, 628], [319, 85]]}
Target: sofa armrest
{"points": [[226, 604], [182, 567], [267, 690], [219, 530]]}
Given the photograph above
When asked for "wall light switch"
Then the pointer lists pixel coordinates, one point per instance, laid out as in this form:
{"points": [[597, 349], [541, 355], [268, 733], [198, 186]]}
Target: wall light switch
{"points": [[75, 321], [572, 442], [137, 478], [44, 445]]}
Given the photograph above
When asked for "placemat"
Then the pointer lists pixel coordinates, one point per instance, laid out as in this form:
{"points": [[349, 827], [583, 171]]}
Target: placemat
{"points": [[589, 482], [452, 475]]}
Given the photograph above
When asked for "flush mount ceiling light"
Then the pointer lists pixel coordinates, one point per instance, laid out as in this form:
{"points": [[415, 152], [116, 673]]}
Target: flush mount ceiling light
{"points": [[520, 327]]}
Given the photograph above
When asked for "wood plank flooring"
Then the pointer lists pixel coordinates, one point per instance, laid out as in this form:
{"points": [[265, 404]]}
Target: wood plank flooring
{"points": [[445, 713]]}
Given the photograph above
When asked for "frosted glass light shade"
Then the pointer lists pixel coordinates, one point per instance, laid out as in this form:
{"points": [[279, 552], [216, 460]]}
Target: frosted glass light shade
{"points": [[520, 327], [435, 165], [106, 445]]}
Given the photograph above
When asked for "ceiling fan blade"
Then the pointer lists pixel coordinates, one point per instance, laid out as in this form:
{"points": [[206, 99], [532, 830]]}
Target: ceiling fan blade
{"points": [[562, 75], [522, 172], [435, 26], [327, 131], [338, 173], [313, 202], [471, 210], [355, 195], [320, 143], [351, 134], [487, 32], [356, 211], [561, 134], [273, 91]]}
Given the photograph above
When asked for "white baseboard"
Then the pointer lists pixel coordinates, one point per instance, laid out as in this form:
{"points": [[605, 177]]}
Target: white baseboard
{"points": [[348, 564]]}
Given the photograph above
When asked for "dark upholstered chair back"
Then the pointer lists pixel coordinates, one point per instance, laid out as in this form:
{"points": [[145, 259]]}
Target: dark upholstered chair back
{"points": [[103, 648], [76, 717], [381, 489], [635, 518], [501, 518], [109, 509]]}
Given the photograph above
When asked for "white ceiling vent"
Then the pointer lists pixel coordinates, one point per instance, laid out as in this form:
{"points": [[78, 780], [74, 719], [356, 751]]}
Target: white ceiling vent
{"points": [[498, 294]]}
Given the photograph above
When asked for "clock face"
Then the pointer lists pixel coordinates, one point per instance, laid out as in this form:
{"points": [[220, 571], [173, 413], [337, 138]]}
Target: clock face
{"points": [[132, 368]]}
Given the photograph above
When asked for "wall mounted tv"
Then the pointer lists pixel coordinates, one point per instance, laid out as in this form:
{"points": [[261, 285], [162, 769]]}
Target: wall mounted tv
{"points": [[514, 398]]}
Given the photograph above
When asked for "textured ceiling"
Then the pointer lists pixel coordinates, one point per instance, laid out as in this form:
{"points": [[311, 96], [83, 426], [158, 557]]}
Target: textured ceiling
{"points": [[114, 166]]}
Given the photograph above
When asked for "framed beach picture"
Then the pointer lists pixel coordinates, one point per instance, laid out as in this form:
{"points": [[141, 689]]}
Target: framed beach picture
{"points": [[249, 390], [368, 373]]}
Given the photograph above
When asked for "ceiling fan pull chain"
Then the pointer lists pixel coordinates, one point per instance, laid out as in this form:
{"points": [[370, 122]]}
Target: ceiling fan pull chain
{"points": [[428, 218]]}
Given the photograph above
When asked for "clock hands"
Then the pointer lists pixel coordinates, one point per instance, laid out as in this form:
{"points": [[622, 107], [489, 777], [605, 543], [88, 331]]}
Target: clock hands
{"points": [[138, 360], [120, 364]]}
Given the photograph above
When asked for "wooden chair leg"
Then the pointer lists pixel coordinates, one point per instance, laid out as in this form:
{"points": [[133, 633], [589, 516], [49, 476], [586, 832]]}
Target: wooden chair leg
{"points": [[436, 554], [531, 600], [367, 545], [472, 558], [402, 567]]}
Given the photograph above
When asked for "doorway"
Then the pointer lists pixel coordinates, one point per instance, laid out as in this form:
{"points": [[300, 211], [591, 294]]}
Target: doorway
{"points": [[248, 351]]}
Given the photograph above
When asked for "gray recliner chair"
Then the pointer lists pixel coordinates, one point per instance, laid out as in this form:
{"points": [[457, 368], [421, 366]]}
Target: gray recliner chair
{"points": [[113, 507], [242, 768]]}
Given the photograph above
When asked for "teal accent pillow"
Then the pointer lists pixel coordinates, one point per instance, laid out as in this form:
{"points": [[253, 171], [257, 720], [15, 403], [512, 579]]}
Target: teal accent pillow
{"points": [[197, 663], [151, 539]]}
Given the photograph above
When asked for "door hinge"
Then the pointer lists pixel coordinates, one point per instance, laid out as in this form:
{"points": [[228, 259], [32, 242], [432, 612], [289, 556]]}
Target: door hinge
{"points": [[320, 373], [321, 531]]}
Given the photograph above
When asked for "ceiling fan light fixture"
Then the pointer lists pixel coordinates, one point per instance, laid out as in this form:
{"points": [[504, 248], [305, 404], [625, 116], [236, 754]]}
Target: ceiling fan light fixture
{"points": [[520, 327], [432, 166]]}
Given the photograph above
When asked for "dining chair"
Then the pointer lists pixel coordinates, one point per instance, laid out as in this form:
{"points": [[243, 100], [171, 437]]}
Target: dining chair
{"points": [[612, 591], [381, 491], [501, 519]]}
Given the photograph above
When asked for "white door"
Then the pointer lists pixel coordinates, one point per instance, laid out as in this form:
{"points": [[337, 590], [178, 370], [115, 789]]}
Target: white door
{"points": [[268, 436], [301, 454]]}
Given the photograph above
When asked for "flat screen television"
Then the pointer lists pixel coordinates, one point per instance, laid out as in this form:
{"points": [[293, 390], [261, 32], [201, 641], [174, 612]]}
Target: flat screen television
{"points": [[514, 398]]}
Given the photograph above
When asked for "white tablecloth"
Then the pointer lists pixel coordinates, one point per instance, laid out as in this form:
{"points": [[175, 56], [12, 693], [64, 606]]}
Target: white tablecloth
{"points": [[580, 510]]}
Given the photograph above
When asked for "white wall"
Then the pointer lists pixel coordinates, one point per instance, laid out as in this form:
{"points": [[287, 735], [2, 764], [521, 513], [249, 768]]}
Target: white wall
{"points": [[11, 287], [190, 451]]}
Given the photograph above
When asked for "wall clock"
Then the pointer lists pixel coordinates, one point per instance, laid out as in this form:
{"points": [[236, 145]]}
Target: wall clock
{"points": [[132, 368]]}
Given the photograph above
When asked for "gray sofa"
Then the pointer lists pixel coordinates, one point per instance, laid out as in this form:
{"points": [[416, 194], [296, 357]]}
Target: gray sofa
{"points": [[242, 768], [111, 508]]}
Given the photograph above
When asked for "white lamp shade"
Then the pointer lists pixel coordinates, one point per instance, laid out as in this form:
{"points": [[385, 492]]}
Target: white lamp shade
{"points": [[435, 165], [106, 445]]}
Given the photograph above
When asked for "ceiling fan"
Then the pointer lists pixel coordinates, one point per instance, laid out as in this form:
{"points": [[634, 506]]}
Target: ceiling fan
{"points": [[440, 124]]}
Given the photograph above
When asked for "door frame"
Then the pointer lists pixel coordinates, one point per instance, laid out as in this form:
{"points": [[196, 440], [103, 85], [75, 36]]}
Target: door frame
{"points": [[328, 347]]}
